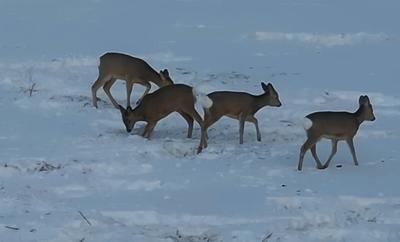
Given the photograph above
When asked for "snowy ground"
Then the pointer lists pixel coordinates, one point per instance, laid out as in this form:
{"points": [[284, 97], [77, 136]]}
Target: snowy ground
{"points": [[62, 161]]}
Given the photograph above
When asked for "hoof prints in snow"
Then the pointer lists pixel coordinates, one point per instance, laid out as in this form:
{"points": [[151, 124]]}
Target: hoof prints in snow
{"points": [[41, 166], [205, 237], [71, 98]]}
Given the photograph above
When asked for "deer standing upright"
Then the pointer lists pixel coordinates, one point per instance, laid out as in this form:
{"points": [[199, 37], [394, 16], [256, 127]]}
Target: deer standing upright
{"points": [[238, 105], [334, 126], [115, 66]]}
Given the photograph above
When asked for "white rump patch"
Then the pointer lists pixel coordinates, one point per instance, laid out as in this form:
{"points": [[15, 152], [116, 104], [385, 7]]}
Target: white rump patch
{"points": [[202, 99], [307, 123]]}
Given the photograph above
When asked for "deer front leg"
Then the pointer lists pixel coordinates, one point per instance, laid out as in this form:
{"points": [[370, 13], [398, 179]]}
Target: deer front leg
{"points": [[189, 121], [353, 152], [148, 87], [253, 120], [149, 129], [129, 88]]}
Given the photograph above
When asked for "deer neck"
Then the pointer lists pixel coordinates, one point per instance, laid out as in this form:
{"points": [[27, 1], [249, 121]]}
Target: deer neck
{"points": [[155, 78], [359, 114], [260, 101]]}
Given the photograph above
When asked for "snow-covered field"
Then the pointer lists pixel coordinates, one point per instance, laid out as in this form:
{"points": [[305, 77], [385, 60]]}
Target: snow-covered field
{"points": [[70, 172]]}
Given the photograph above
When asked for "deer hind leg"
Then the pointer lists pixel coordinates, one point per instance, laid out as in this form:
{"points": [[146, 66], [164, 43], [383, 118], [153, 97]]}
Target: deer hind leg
{"points": [[209, 120], [101, 80], [253, 120], [195, 115], [311, 141], [189, 120], [353, 152], [315, 155], [107, 89], [333, 152]]}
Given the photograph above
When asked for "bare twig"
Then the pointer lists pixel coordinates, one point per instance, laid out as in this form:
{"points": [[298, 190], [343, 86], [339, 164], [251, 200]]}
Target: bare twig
{"points": [[83, 239], [83, 216], [267, 237], [32, 89], [10, 227]]}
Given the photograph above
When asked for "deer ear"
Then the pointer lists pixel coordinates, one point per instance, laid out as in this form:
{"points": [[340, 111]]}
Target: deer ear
{"points": [[264, 87], [362, 99], [166, 73], [267, 87], [367, 99]]}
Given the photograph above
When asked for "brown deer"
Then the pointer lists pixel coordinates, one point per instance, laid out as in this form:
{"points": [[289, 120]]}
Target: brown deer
{"points": [[159, 104], [115, 66], [334, 126], [238, 105]]}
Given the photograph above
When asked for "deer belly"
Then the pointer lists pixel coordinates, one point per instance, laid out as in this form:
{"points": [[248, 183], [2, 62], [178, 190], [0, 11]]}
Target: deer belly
{"points": [[338, 136], [232, 116]]}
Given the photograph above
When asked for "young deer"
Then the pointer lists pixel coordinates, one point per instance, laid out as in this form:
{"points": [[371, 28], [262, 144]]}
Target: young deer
{"points": [[334, 126], [238, 105], [115, 66], [159, 104]]}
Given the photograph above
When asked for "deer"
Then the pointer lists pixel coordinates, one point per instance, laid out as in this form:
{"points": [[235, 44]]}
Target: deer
{"points": [[335, 126], [237, 105], [159, 104], [115, 66]]}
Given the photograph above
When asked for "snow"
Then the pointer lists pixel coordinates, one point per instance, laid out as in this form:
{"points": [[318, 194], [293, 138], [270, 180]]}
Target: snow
{"points": [[326, 40], [70, 172]]}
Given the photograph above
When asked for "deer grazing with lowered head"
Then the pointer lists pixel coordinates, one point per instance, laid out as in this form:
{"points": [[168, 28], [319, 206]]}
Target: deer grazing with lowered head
{"points": [[159, 104], [334, 126], [115, 66], [238, 105]]}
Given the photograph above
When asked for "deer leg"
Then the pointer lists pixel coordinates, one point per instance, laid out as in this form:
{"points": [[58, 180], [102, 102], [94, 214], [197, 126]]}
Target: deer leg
{"points": [[101, 80], [107, 88], [253, 120], [333, 152], [241, 127], [208, 121], [314, 154], [148, 87], [199, 120], [189, 120], [149, 129], [353, 152], [306, 146], [129, 88]]}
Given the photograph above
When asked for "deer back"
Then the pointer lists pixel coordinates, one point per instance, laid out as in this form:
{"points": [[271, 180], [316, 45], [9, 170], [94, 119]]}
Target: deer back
{"points": [[165, 100], [339, 125], [126, 67]]}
